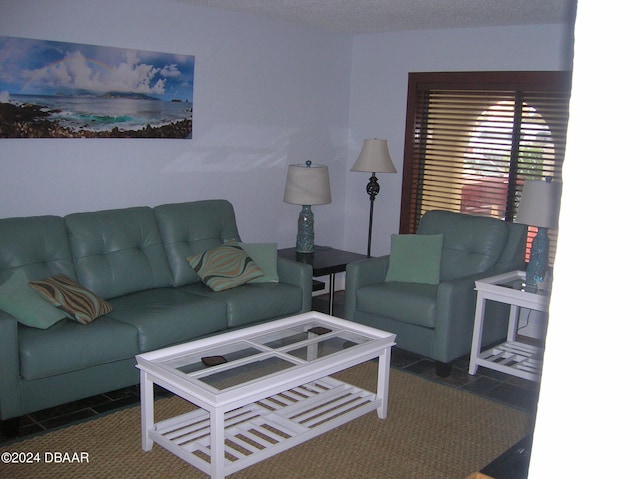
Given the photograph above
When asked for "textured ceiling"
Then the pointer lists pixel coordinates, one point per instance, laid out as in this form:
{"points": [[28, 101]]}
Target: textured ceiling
{"points": [[371, 16]]}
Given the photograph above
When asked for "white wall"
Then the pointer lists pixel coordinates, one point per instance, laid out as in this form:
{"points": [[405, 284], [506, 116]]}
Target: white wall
{"points": [[381, 63], [266, 94]]}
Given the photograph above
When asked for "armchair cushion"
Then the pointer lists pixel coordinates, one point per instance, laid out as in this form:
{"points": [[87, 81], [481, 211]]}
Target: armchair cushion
{"points": [[415, 258], [413, 303]]}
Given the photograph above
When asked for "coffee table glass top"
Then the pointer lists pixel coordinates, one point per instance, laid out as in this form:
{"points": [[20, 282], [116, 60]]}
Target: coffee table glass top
{"points": [[253, 357]]}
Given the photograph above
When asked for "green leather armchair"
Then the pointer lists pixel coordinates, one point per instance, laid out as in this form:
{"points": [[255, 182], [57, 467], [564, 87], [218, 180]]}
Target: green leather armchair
{"points": [[436, 320]]}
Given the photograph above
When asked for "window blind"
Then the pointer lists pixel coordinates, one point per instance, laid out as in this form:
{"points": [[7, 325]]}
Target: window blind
{"points": [[472, 139]]}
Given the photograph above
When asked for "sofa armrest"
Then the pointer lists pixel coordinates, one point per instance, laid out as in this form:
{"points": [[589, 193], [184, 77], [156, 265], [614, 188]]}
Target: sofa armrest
{"points": [[363, 273], [9, 367], [300, 275]]}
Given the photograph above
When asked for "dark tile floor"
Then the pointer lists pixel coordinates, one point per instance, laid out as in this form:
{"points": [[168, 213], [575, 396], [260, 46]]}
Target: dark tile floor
{"points": [[503, 388]]}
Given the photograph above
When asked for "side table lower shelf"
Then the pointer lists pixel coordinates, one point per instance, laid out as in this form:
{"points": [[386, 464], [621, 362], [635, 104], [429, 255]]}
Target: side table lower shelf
{"points": [[512, 356], [515, 358], [262, 429]]}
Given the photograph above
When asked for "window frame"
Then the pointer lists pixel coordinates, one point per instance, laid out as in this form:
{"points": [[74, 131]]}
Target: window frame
{"points": [[419, 82]]}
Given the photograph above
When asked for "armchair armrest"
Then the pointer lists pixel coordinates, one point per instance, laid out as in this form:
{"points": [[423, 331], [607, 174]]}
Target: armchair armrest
{"points": [[363, 273], [9, 367], [456, 304], [300, 275]]}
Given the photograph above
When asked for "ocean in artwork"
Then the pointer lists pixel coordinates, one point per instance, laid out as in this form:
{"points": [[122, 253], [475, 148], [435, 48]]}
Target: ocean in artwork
{"points": [[104, 114]]}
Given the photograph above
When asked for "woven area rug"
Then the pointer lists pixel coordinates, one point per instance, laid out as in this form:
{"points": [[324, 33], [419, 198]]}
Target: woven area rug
{"points": [[431, 432]]}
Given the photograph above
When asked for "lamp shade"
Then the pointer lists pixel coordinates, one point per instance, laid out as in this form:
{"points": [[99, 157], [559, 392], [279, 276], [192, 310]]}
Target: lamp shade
{"points": [[540, 204], [374, 157], [307, 185]]}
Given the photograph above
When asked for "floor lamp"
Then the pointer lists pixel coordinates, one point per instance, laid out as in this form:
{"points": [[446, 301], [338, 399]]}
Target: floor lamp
{"points": [[374, 158], [539, 206], [307, 185]]}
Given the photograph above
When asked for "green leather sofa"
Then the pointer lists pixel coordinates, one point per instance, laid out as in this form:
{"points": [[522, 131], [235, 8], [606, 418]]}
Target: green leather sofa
{"points": [[436, 320], [135, 258]]}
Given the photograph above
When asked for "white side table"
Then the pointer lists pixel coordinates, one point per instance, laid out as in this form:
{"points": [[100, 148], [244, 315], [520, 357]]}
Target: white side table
{"points": [[511, 357]]}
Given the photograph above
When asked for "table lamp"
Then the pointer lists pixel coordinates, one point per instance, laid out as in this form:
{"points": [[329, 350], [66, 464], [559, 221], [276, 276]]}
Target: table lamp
{"points": [[307, 185], [539, 206], [374, 158]]}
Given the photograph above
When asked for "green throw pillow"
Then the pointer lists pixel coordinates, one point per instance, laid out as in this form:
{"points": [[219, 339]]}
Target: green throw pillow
{"points": [[415, 259], [266, 257], [77, 302], [27, 306], [225, 267]]}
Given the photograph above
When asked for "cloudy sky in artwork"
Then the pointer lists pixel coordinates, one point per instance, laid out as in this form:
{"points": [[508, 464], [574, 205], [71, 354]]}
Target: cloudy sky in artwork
{"points": [[41, 67]]}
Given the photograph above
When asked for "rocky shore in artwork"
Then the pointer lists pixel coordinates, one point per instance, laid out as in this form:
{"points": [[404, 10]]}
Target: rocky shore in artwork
{"points": [[31, 121]]}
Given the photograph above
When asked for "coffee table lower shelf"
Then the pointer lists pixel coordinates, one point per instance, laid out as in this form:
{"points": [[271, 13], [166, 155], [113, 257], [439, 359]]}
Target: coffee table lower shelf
{"points": [[267, 427]]}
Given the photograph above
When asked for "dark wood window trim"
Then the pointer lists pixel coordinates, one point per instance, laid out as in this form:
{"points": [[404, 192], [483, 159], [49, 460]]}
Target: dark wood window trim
{"points": [[419, 83]]}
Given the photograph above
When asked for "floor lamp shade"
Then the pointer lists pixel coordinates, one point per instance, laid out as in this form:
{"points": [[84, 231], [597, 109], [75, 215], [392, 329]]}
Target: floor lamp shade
{"points": [[374, 158], [539, 206], [307, 185]]}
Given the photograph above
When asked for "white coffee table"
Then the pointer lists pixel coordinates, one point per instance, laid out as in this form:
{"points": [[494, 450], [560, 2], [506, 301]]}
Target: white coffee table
{"points": [[268, 389]]}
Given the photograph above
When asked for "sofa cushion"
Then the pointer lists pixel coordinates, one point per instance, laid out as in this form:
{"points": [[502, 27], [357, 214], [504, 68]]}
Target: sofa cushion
{"points": [[118, 252], [76, 302], [471, 244], [252, 303], [415, 258], [37, 245], [26, 305], [71, 346], [191, 228], [166, 316], [224, 267], [412, 303], [266, 257]]}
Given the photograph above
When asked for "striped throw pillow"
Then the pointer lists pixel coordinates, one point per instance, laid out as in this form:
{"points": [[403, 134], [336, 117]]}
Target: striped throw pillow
{"points": [[77, 302], [225, 267]]}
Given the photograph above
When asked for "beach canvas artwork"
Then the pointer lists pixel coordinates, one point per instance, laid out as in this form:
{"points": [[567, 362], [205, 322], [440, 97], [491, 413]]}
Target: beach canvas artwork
{"points": [[52, 89]]}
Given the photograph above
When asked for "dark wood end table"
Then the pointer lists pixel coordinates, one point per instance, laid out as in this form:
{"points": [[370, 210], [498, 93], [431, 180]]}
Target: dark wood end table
{"points": [[325, 261]]}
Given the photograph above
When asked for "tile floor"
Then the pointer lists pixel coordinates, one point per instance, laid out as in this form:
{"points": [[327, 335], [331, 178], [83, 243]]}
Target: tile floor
{"points": [[503, 388]]}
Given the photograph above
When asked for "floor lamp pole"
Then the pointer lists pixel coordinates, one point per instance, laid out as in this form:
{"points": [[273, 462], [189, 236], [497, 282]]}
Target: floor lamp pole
{"points": [[373, 188]]}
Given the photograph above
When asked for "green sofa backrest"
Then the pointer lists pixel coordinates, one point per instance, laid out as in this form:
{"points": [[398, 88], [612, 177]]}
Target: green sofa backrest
{"points": [[37, 245], [117, 252], [192, 228], [473, 244]]}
